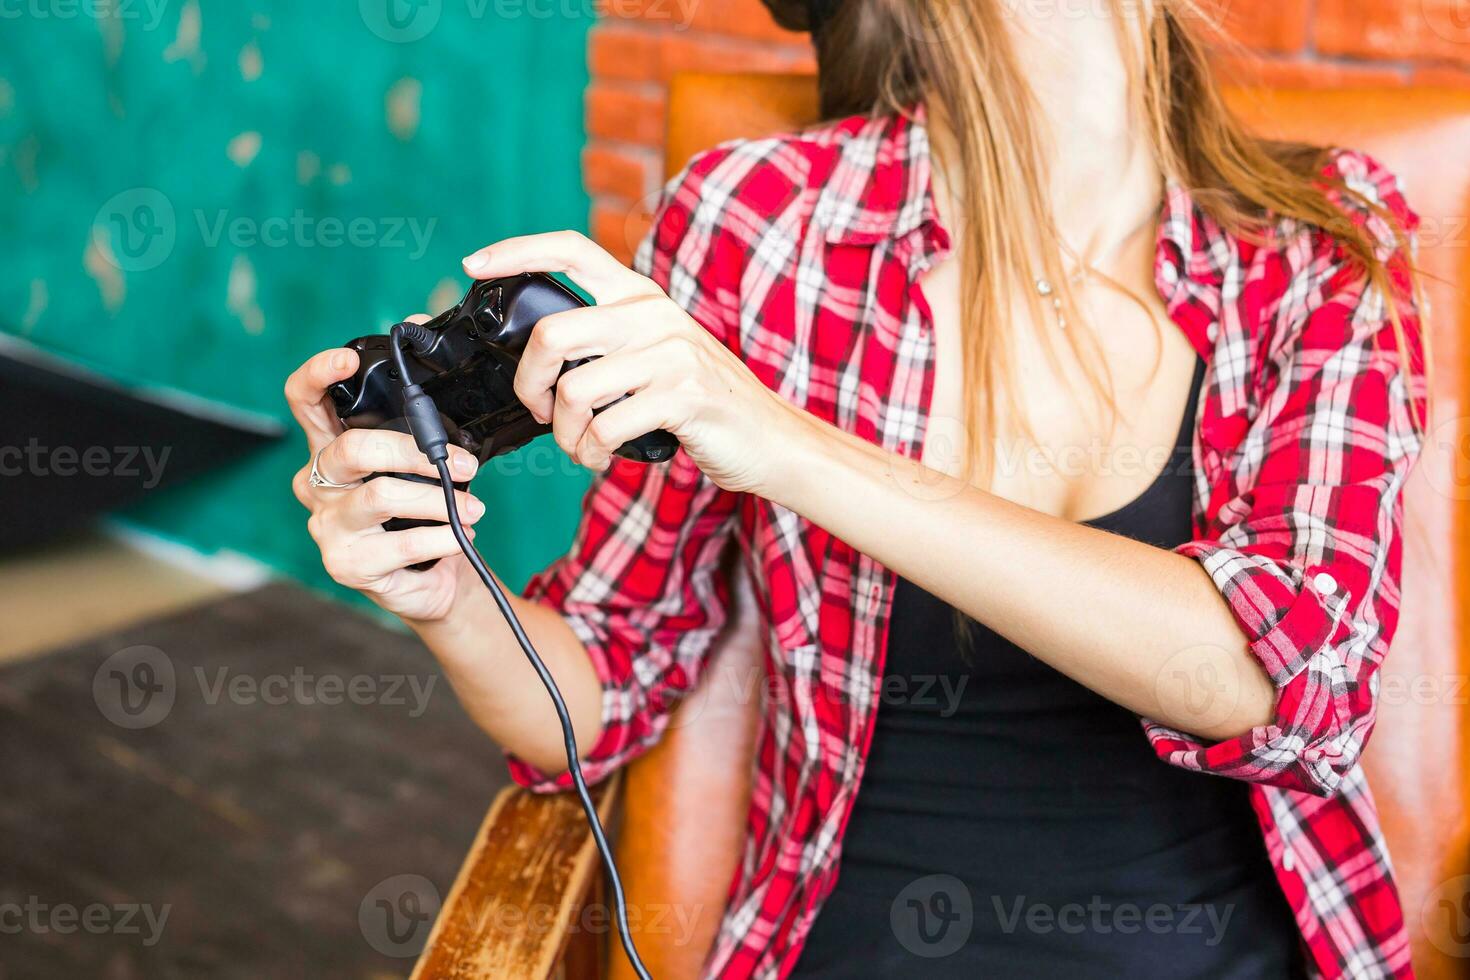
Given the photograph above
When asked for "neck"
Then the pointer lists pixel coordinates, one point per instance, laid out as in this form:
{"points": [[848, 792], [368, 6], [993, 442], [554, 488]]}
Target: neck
{"points": [[1104, 182]]}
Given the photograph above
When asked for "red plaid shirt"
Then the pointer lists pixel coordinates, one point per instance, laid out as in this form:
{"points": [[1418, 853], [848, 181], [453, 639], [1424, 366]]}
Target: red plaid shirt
{"points": [[802, 254]]}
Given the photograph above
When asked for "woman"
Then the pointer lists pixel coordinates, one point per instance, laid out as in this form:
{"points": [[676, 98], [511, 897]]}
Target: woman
{"points": [[1040, 399]]}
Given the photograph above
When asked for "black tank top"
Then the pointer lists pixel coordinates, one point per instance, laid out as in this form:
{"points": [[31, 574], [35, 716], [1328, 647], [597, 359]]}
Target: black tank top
{"points": [[1011, 823]]}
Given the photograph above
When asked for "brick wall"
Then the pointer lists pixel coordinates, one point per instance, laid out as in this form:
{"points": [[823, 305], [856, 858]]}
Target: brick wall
{"points": [[639, 44], [634, 50]]}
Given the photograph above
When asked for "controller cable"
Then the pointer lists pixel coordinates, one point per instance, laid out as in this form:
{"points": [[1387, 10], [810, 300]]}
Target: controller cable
{"points": [[432, 439]]}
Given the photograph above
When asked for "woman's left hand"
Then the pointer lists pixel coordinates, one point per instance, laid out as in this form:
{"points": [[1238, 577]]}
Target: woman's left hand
{"points": [[681, 379]]}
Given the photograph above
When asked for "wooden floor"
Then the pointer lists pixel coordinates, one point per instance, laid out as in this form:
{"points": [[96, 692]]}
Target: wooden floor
{"points": [[258, 823]]}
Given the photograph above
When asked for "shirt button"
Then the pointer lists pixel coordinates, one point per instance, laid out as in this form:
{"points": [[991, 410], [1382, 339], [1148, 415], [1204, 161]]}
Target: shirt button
{"points": [[1325, 583], [1288, 859]]}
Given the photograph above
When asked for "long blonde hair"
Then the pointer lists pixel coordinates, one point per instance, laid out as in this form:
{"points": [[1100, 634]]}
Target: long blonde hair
{"points": [[887, 56]]}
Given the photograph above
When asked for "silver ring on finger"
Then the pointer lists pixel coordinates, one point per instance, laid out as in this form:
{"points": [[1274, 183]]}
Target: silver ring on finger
{"points": [[319, 481]]}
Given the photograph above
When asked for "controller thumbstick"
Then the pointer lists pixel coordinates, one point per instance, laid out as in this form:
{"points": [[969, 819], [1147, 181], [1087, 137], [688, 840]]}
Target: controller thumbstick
{"points": [[341, 397]]}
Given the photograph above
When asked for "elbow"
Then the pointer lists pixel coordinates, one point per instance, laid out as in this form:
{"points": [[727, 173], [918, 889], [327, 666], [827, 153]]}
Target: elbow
{"points": [[543, 765], [1308, 740], [552, 775], [1218, 691], [1255, 708]]}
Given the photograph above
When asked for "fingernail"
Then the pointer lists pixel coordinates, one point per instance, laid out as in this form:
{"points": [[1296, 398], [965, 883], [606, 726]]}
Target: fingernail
{"points": [[340, 360], [475, 508], [464, 466], [478, 262]]}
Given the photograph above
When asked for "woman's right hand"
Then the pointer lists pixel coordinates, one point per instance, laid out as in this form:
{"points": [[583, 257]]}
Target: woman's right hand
{"points": [[347, 523]]}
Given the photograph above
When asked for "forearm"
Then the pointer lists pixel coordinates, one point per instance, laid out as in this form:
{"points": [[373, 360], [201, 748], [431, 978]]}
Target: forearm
{"points": [[496, 683], [1142, 626]]}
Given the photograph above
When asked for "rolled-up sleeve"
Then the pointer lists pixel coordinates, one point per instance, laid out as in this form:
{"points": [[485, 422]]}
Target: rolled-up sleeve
{"points": [[1304, 546], [641, 585]]}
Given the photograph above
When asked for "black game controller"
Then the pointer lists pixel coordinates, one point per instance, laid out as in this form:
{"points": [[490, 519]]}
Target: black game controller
{"points": [[468, 370]]}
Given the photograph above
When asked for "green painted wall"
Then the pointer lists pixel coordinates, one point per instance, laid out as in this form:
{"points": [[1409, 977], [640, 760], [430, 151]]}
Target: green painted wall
{"points": [[201, 195]]}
